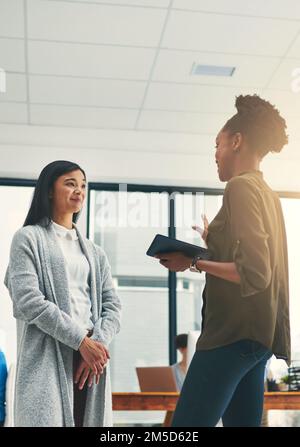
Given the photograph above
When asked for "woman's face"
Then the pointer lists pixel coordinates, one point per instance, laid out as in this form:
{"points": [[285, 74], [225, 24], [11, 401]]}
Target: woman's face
{"points": [[68, 193], [225, 155]]}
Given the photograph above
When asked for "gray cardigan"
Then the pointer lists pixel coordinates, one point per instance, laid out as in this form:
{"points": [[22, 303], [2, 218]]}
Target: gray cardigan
{"points": [[47, 335]]}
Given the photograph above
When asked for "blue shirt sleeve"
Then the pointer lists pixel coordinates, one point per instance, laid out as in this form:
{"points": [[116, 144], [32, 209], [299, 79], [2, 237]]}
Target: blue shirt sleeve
{"points": [[3, 377]]}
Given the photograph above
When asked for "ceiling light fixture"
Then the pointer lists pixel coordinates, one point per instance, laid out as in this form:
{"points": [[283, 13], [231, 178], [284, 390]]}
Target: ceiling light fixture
{"points": [[211, 70]]}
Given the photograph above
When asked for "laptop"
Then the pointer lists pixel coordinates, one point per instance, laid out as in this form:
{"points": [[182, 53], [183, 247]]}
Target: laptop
{"points": [[156, 379]]}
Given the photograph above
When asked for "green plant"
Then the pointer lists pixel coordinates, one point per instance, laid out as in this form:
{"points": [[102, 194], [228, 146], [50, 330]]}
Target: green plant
{"points": [[285, 379]]}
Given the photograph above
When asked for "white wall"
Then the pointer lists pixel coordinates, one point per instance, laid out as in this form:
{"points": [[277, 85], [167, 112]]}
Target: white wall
{"points": [[128, 156]]}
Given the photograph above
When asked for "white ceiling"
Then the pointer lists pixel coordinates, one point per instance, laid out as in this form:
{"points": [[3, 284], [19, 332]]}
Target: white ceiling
{"points": [[126, 64]]}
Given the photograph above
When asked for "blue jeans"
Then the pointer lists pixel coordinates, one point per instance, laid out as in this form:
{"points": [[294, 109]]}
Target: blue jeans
{"points": [[227, 383]]}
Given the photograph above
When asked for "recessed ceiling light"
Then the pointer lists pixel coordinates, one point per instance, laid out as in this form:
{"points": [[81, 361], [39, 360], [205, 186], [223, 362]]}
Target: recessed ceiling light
{"points": [[211, 70]]}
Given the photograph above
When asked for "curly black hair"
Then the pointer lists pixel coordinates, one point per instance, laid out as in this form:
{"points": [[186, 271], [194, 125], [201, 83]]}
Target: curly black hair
{"points": [[260, 123]]}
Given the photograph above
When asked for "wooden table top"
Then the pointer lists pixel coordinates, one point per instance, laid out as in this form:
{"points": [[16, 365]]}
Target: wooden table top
{"points": [[163, 401]]}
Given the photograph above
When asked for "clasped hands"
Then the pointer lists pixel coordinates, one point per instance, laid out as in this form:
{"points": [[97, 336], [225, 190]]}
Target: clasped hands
{"points": [[94, 359]]}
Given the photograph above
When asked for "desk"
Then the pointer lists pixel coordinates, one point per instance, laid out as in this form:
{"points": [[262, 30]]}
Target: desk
{"points": [[167, 402]]}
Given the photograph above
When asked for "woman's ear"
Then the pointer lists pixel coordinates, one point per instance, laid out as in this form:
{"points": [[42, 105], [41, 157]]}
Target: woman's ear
{"points": [[237, 141]]}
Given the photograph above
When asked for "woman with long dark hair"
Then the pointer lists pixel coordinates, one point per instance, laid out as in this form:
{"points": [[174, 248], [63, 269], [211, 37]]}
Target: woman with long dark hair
{"points": [[66, 308], [246, 296]]}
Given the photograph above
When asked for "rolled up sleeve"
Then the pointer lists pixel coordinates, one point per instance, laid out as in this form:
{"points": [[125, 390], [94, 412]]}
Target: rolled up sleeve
{"points": [[251, 252]]}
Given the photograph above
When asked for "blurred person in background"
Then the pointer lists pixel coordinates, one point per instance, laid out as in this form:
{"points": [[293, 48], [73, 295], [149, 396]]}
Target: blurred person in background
{"points": [[180, 368], [3, 378]]}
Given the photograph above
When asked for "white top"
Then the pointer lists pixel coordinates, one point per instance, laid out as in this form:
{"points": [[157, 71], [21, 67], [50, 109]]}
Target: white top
{"points": [[78, 271]]}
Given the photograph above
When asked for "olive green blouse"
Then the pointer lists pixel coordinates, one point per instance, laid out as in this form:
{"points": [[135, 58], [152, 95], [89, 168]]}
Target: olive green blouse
{"points": [[248, 230]]}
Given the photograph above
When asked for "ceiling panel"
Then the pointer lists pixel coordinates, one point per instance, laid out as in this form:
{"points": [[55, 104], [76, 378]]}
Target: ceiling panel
{"points": [[221, 33], [86, 92], [11, 18], [109, 139], [12, 55], [194, 98], [294, 51], [287, 102], [98, 77], [16, 89], [13, 113], [89, 60], [285, 75], [182, 122], [293, 132], [79, 22], [267, 8], [146, 3], [83, 117], [175, 66]]}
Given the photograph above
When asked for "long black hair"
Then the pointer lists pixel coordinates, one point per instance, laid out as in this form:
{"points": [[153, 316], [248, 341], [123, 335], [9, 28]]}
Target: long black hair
{"points": [[40, 210]]}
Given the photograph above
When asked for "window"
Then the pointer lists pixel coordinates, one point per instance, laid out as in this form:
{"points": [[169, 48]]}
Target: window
{"points": [[188, 211], [278, 368], [291, 211], [15, 201], [124, 224]]}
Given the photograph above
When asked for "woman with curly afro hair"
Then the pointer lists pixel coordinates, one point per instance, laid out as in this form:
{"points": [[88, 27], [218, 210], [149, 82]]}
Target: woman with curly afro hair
{"points": [[246, 295]]}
